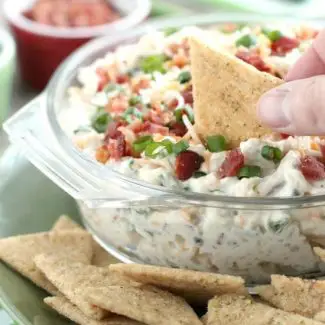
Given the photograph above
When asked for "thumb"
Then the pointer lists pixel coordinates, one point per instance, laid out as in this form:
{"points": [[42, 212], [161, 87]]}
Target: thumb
{"points": [[296, 107]]}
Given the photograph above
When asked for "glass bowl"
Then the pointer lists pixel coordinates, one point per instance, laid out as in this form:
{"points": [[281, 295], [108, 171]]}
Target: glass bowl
{"points": [[53, 44], [140, 222]]}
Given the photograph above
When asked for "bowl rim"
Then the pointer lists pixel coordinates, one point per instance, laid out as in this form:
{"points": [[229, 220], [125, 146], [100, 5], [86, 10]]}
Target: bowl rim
{"points": [[170, 195], [14, 16]]}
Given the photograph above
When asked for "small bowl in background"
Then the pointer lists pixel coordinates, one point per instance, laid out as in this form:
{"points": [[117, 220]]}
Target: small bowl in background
{"points": [[41, 48], [7, 70]]}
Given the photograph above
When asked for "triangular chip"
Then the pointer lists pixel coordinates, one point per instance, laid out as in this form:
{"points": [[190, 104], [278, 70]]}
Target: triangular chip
{"points": [[196, 287], [66, 223], [64, 307], [241, 310], [145, 304], [75, 279], [19, 252], [304, 297], [226, 91], [100, 256], [320, 252]]}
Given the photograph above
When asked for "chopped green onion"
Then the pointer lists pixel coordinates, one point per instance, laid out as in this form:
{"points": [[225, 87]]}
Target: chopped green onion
{"points": [[81, 129], [153, 63], [278, 225], [130, 113], [249, 171], [180, 146], [151, 148], [273, 35], [184, 76], [100, 120], [134, 100], [199, 174], [246, 40], [178, 113], [190, 113], [111, 87], [271, 153], [170, 30], [141, 143], [216, 143]]}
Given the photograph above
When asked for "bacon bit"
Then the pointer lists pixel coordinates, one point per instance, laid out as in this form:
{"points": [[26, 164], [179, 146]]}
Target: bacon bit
{"points": [[314, 146], [172, 104], [112, 131], [156, 128], [178, 129], [180, 60], [188, 95], [156, 117], [312, 169], [117, 147], [322, 151], [141, 84], [148, 127], [102, 154], [118, 104], [253, 59], [232, 163], [122, 79], [284, 45], [103, 78], [187, 162], [284, 136], [306, 33]]}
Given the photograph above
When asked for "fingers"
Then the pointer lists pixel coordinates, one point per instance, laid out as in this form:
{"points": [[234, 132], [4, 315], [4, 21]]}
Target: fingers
{"points": [[312, 63], [296, 107]]}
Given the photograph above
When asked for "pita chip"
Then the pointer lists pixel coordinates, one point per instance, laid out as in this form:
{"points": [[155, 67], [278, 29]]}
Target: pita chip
{"points": [[196, 287], [304, 297], [100, 255], [19, 252], [226, 91], [74, 280], [241, 310], [64, 307], [145, 304]]}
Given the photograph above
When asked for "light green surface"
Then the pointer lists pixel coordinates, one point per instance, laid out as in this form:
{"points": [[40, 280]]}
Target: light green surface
{"points": [[29, 202]]}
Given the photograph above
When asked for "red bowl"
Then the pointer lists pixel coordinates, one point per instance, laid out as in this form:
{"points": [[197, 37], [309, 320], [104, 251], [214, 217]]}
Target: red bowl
{"points": [[41, 48]]}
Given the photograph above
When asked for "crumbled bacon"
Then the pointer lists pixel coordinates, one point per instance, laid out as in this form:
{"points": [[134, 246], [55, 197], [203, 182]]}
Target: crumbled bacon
{"points": [[253, 59], [312, 169], [180, 60], [112, 131], [322, 150], [118, 104], [284, 136], [156, 117], [284, 45], [187, 162], [188, 95], [232, 163], [117, 147], [103, 78], [102, 154], [141, 84], [178, 129], [172, 104], [148, 128], [122, 78]]}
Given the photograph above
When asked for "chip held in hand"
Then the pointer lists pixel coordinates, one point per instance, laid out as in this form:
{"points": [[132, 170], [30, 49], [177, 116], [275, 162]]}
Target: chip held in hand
{"points": [[226, 91]]}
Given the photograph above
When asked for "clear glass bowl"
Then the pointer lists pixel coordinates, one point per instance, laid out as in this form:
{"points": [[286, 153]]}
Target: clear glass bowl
{"points": [[140, 222]]}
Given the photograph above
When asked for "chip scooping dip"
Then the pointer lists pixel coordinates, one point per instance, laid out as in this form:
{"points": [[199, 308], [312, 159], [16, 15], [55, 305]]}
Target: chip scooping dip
{"points": [[226, 90]]}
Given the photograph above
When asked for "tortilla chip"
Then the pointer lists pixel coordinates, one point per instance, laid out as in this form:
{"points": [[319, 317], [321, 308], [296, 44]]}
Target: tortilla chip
{"points": [[304, 297], [145, 304], [75, 279], [66, 223], [19, 252], [320, 252], [70, 311], [196, 287], [100, 256], [226, 91], [241, 310], [204, 319]]}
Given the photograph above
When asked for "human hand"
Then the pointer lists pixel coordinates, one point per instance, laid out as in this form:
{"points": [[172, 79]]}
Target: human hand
{"points": [[298, 106]]}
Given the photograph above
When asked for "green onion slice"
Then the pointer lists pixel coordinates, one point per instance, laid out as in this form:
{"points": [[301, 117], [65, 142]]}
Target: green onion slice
{"points": [[184, 76], [134, 100], [249, 171], [170, 30], [180, 146], [273, 35], [216, 143], [246, 41], [100, 120], [199, 174], [271, 153], [153, 63], [141, 143]]}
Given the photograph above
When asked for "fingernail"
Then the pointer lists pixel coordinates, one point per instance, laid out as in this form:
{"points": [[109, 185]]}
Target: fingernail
{"points": [[271, 108]]}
